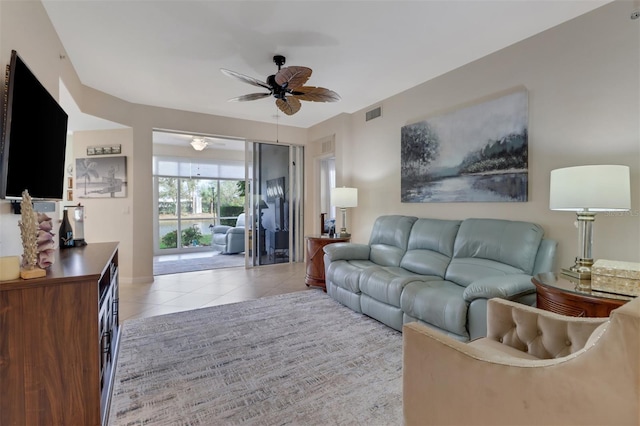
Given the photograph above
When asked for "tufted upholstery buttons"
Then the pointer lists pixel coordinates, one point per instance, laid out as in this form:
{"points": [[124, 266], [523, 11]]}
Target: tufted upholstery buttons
{"points": [[568, 343]]}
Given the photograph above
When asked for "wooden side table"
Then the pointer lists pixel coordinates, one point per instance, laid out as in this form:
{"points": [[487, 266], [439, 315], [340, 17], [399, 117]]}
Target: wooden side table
{"points": [[561, 295], [315, 259]]}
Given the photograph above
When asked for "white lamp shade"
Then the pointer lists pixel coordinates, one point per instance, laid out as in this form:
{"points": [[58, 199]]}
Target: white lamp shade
{"points": [[344, 197], [594, 188]]}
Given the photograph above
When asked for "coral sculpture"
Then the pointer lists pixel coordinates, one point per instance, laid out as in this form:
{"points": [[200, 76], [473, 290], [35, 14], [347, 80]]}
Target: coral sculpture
{"points": [[29, 233]]}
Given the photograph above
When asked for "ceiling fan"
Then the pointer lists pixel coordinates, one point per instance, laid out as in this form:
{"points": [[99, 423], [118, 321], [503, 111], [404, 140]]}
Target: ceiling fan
{"points": [[287, 86]]}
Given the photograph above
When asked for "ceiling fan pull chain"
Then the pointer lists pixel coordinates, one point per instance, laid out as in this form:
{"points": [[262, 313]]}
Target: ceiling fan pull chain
{"points": [[277, 127]]}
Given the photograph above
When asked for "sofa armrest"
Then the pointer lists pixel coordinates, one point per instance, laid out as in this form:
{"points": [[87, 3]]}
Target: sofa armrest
{"points": [[346, 251], [220, 229], [504, 286]]}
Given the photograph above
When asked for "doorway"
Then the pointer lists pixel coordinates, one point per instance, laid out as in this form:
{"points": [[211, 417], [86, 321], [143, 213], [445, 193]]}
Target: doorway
{"points": [[196, 191]]}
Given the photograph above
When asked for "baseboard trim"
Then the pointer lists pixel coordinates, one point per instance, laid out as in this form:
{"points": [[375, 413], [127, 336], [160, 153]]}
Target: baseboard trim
{"points": [[137, 280]]}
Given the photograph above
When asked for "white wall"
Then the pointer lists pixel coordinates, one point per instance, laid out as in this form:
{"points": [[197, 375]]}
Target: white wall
{"points": [[107, 219], [584, 91], [583, 80]]}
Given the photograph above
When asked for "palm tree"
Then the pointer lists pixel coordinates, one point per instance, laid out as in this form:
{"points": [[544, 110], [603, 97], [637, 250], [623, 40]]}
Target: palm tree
{"points": [[86, 169]]}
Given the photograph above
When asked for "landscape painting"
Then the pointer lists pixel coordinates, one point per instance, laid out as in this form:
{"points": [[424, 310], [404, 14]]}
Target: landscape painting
{"points": [[474, 154], [101, 177]]}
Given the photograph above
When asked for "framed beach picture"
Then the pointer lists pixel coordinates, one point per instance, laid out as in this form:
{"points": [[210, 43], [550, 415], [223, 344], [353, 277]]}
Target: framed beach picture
{"points": [[101, 177], [478, 153]]}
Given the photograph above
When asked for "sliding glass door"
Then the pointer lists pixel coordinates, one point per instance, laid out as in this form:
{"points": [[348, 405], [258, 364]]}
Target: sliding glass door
{"points": [[276, 181], [189, 208]]}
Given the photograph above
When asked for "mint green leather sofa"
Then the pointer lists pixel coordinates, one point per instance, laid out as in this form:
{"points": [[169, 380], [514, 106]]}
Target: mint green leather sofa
{"points": [[438, 272]]}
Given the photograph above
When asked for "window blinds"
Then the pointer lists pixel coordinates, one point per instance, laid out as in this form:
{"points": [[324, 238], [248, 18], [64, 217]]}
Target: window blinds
{"points": [[198, 168]]}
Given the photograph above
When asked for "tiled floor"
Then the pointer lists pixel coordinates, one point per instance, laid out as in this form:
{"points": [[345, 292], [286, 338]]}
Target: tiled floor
{"points": [[191, 290]]}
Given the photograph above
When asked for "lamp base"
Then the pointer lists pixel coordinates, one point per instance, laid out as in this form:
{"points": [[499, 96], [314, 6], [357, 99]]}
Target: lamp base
{"points": [[581, 284], [581, 271], [343, 233]]}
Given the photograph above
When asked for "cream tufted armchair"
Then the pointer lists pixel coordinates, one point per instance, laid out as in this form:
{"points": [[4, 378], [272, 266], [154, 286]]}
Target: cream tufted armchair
{"points": [[533, 368]]}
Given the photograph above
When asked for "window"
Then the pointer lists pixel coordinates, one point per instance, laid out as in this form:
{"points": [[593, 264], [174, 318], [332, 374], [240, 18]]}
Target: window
{"points": [[193, 197]]}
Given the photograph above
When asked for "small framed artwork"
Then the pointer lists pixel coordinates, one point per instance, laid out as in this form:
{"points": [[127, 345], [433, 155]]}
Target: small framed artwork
{"points": [[69, 182], [70, 195]]}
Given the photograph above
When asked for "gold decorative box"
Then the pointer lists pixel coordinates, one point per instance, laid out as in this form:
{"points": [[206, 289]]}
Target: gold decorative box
{"points": [[616, 277]]}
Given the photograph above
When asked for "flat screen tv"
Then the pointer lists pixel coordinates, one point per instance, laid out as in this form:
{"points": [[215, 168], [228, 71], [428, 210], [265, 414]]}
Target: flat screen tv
{"points": [[34, 137]]}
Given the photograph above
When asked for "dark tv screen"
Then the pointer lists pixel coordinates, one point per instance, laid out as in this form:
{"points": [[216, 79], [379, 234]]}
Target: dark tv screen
{"points": [[34, 137]]}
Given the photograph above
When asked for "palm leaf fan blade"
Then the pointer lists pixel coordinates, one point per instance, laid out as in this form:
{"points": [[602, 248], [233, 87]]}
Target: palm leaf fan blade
{"points": [[250, 97], [289, 105], [294, 76], [315, 94], [245, 78]]}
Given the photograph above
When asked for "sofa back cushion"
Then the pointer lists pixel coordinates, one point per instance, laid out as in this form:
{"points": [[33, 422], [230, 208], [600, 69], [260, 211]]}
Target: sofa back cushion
{"points": [[430, 246], [389, 238], [512, 245], [240, 221]]}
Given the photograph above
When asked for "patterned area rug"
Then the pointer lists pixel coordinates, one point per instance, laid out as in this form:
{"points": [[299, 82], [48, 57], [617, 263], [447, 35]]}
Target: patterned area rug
{"points": [[213, 261], [294, 359]]}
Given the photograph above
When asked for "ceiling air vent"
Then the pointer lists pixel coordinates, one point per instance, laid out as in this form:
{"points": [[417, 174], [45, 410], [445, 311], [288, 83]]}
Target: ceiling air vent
{"points": [[374, 113]]}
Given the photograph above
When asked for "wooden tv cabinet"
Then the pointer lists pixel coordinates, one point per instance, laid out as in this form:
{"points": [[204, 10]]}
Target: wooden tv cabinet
{"points": [[59, 339]]}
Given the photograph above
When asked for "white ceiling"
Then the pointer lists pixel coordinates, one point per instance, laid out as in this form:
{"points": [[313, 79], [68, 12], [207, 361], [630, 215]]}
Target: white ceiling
{"points": [[169, 53]]}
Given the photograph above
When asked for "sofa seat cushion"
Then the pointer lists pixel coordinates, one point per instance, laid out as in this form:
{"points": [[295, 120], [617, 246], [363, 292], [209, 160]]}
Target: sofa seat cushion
{"points": [[346, 274], [362, 264], [386, 284], [436, 302], [464, 271]]}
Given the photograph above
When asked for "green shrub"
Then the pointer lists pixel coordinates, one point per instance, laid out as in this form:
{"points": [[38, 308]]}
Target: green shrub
{"points": [[170, 240], [189, 235]]}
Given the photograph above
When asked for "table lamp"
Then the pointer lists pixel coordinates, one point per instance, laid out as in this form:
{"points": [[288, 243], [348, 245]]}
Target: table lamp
{"points": [[587, 190], [343, 198]]}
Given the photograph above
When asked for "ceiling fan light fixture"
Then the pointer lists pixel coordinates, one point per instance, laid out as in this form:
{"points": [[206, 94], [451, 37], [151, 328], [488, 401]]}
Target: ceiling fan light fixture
{"points": [[199, 144]]}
